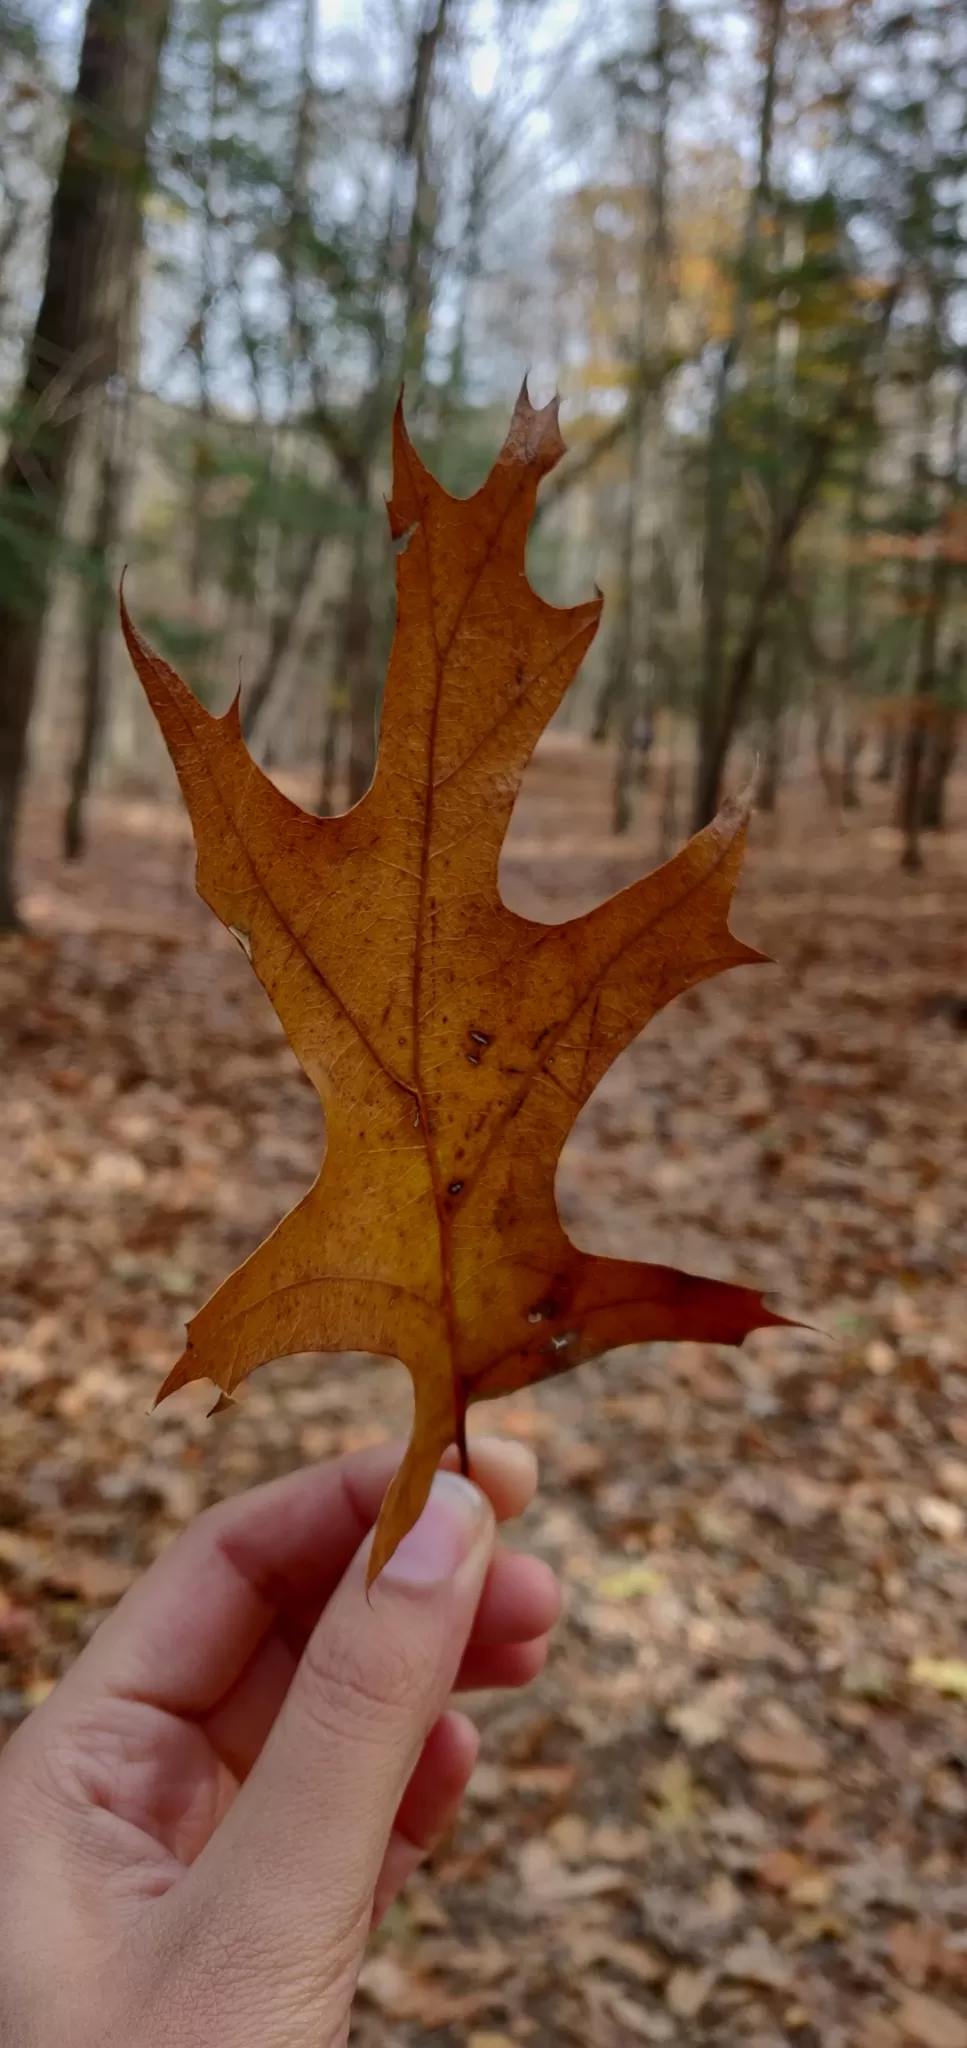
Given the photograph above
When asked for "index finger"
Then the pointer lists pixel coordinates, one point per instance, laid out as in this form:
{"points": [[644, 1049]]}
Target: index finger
{"points": [[185, 1632]]}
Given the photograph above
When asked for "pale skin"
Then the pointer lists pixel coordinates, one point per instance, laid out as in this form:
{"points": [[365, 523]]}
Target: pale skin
{"points": [[200, 1826]]}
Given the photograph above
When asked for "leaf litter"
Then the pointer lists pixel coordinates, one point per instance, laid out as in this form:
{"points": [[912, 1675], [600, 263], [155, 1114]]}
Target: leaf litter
{"points": [[765, 1505]]}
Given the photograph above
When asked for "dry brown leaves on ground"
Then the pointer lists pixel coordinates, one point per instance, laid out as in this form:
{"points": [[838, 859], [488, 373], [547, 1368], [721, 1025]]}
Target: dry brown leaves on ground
{"points": [[732, 1814]]}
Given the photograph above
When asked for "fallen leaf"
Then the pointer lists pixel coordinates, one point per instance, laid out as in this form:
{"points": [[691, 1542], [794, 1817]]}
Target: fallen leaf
{"points": [[453, 1042], [98, 1580], [487, 1783], [876, 2031], [773, 1749], [941, 1674], [618, 1845], [929, 2023], [781, 1869], [911, 1946], [541, 1781], [941, 1517], [756, 1961], [548, 1883], [593, 1945], [708, 1715], [686, 1992], [630, 1582], [407, 1994], [569, 1835], [679, 1800], [639, 2020]]}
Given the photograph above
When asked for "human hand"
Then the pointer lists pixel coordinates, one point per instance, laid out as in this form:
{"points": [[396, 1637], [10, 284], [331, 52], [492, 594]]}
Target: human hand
{"points": [[200, 1825]]}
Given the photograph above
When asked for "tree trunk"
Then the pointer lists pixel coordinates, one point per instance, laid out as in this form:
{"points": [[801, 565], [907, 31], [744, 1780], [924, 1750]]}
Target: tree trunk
{"points": [[118, 321], [853, 738], [635, 642], [889, 747], [100, 626], [359, 676], [717, 740], [925, 690], [109, 119], [331, 752], [767, 793], [827, 774], [715, 596], [940, 759]]}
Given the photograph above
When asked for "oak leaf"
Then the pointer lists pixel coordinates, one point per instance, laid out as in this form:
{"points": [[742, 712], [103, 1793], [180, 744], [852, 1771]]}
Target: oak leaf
{"points": [[451, 1041]]}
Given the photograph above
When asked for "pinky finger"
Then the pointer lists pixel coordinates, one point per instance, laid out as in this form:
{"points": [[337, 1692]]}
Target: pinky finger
{"points": [[429, 1805]]}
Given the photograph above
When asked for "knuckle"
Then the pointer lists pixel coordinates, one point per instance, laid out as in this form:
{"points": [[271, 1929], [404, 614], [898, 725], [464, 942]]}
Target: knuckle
{"points": [[353, 1684]]}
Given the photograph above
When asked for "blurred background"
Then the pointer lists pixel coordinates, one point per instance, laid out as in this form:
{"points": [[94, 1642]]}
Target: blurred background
{"points": [[734, 238]]}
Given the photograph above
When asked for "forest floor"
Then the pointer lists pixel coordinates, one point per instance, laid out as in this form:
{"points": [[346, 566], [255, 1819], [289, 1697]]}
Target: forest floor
{"points": [[734, 1810]]}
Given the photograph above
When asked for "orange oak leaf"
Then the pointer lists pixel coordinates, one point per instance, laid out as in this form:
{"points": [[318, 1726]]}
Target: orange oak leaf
{"points": [[452, 1042]]}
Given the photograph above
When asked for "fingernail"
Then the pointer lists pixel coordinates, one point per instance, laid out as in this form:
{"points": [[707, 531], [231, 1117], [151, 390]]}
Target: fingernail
{"points": [[444, 1535]]}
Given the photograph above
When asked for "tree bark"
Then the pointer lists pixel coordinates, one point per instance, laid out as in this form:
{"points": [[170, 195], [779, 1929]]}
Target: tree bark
{"points": [[719, 470], [716, 740], [100, 626], [411, 246], [65, 363], [925, 689], [941, 756], [889, 748], [767, 794], [118, 320], [359, 670], [633, 650]]}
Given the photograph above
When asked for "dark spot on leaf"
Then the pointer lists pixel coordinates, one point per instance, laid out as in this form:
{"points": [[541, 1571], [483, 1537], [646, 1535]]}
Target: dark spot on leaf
{"points": [[455, 1187]]}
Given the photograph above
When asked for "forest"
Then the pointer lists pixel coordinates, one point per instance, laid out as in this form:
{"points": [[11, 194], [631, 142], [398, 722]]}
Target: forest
{"points": [[733, 239]]}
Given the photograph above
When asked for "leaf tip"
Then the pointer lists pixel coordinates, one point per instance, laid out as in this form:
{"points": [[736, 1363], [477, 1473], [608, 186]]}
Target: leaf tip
{"points": [[231, 719], [411, 479], [749, 956], [534, 439]]}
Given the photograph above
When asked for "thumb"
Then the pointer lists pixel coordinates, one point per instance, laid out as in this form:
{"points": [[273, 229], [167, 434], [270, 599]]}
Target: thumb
{"points": [[287, 1882]]}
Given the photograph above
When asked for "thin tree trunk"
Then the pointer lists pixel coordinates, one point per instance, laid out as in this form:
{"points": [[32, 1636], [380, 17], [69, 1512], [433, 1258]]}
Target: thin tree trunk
{"points": [[774, 577], [633, 653], [359, 670], [827, 774], [853, 737], [109, 114], [921, 709], [854, 732], [100, 625], [768, 790], [940, 759], [889, 749], [331, 751], [358, 650], [667, 828], [916, 741], [119, 312], [263, 719], [719, 471]]}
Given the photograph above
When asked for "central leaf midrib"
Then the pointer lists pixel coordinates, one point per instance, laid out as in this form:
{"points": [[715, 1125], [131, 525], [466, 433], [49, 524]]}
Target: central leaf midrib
{"points": [[441, 655]]}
